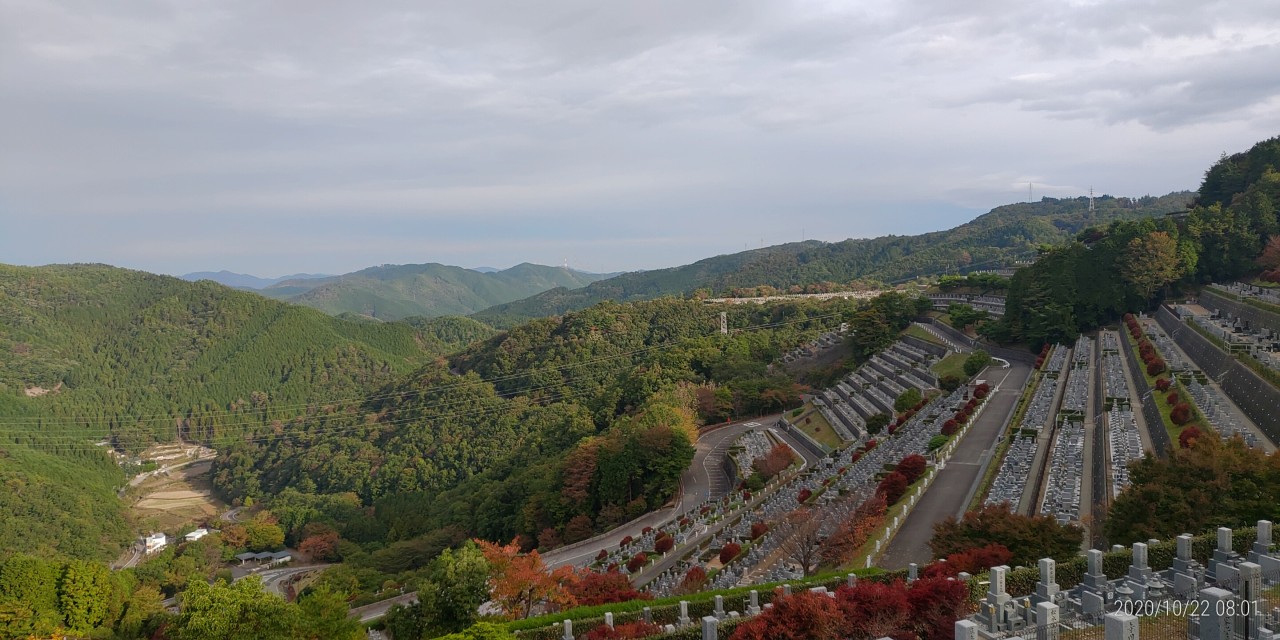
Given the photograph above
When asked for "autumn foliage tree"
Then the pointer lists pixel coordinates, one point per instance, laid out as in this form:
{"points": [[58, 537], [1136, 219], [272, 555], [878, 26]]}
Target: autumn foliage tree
{"points": [[519, 582], [1188, 437], [912, 467], [841, 547], [628, 631], [1215, 483], [729, 551], [1181, 413], [1151, 262], [972, 561], [874, 609], [1028, 538], [694, 580], [758, 529], [936, 604], [892, 487], [322, 547], [637, 562], [593, 588], [664, 543], [776, 461], [801, 616]]}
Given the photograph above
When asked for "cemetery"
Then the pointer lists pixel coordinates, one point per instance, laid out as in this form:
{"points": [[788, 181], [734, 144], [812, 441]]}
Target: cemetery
{"points": [[833, 488], [1015, 469], [1066, 471], [1088, 597], [1124, 446], [1220, 595]]}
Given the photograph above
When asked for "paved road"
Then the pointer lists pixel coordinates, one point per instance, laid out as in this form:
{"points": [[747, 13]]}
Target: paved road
{"points": [[704, 479], [380, 608], [275, 580], [950, 493]]}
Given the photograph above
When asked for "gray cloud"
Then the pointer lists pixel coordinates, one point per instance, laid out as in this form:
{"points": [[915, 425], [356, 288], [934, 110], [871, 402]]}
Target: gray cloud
{"points": [[628, 135]]}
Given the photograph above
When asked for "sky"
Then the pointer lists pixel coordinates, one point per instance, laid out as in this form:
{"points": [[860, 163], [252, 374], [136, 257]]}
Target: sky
{"points": [[315, 136]]}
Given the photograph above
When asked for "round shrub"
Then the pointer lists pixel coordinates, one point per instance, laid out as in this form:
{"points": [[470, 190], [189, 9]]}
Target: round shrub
{"points": [[729, 552]]}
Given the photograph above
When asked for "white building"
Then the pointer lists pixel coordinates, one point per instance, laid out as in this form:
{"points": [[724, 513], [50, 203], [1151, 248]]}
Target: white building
{"points": [[154, 542], [196, 535]]}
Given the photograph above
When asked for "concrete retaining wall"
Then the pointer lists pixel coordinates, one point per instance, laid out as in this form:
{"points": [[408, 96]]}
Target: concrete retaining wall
{"points": [[1259, 399]]}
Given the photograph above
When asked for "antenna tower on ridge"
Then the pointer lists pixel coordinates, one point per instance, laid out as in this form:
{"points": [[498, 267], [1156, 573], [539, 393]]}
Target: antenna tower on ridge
{"points": [[1090, 199]]}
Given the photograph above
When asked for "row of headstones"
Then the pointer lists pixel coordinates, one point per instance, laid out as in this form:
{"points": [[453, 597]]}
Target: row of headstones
{"points": [[1252, 291], [1125, 444], [1075, 396], [709, 623], [1114, 384], [1011, 479], [1037, 414], [1214, 408], [912, 437], [1166, 347], [751, 445], [1066, 472], [1234, 576], [1057, 361], [859, 477]]}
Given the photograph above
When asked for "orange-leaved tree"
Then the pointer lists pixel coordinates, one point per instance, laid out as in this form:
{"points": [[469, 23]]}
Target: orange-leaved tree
{"points": [[518, 582]]}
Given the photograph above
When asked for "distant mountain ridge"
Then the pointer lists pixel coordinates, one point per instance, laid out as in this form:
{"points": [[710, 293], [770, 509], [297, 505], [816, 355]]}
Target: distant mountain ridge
{"points": [[244, 280], [1003, 235], [394, 292]]}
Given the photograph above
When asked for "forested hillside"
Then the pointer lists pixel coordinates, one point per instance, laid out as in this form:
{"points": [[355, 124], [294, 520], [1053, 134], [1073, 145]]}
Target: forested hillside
{"points": [[90, 353], [554, 430], [1125, 266], [393, 292], [1007, 233]]}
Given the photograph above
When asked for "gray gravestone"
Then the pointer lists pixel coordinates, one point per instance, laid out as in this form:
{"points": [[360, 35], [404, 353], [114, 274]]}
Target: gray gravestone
{"points": [[1212, 625], [1120, 626], [608, 619], [709, 627], [1047, 587], [1248, 626], [568, 630], [1262, 545], [1047, 621], [1184, 547], [1092, 603], [684, 612], [966, 630]]}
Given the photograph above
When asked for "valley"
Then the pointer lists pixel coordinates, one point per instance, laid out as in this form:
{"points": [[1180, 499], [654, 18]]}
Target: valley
{"points": [[669, 449]]}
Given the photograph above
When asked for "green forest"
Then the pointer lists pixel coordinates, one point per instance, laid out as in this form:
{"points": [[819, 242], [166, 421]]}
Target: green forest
{"points": [[1005, 235], [1128, 265]]}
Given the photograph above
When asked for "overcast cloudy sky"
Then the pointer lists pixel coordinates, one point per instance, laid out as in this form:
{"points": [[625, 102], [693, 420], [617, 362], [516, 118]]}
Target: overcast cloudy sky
{"points": [[276, 137]]}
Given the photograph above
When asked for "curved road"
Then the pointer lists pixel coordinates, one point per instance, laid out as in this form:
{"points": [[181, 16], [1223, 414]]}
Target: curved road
{"points": [[703, 480]]}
